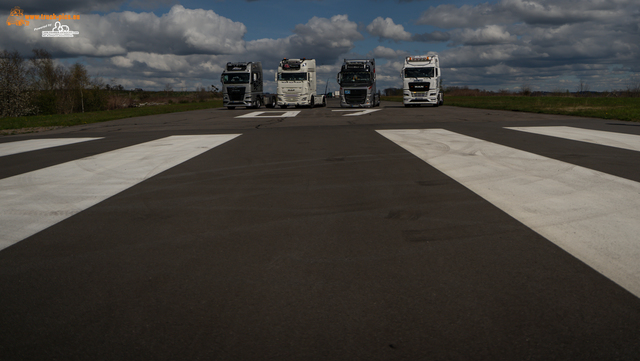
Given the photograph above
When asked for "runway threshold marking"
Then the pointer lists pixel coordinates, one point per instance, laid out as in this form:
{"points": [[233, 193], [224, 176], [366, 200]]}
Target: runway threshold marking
{"points": [[592, 215], [34, 201], [37, 144], [611, 139], [355, 112], [271, 114]]}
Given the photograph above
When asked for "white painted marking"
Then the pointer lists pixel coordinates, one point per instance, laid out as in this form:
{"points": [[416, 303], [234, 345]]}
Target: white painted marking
{"points": [[611, 139], [36, 200], [356, 112], [592, 215], [37, 144], [272, 114]]}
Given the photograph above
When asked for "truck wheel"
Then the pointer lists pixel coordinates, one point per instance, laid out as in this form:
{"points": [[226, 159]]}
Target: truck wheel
{"points": [[231, 108], [283, 107], [312, 102], [324, 101], [271, 103]]}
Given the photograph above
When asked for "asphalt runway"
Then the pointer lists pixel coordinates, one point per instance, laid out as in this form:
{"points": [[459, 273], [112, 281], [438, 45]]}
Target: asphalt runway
{"points": [[314, 234]]}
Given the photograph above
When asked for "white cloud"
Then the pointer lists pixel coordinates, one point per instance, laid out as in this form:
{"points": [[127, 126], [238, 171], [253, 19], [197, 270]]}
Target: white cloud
{"points": [[180, 31], [386, 53], [449, 16], [492, 43], [320, 38], [490, 34], [534, 12], [387, 29]]}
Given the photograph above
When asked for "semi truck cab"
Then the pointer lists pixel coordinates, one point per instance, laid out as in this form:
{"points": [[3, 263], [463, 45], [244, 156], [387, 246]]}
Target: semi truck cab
{"points": [[242, 85], [357, 80], [421, 81], [296, 83]]}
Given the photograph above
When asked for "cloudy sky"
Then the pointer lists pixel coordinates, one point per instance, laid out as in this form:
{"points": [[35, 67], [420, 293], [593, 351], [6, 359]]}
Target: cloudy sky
{"points": [[503, 44]]}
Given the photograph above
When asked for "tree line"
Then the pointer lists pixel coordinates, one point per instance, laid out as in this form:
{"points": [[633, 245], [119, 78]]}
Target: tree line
{"points": [[39, 86]]}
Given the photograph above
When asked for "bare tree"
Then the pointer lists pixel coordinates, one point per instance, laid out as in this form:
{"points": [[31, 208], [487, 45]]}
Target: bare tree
{"points": [[45, 75], [525, 89], [15, 87], [79, 80], [583, 87]]}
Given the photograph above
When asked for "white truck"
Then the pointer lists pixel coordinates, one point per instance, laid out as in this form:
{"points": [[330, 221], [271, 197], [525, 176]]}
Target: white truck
{"points": [[357, 80], [242, 86], [421, 81], [296, 83]]}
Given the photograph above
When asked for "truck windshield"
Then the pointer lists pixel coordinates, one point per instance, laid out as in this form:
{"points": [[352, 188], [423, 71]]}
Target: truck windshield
{"points": [[418, 72], [292, 76], [356, 77], [239, 78]]}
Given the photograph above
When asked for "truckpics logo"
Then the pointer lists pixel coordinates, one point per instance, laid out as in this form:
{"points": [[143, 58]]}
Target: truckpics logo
{"points": [[59, 31], [16, 17]]}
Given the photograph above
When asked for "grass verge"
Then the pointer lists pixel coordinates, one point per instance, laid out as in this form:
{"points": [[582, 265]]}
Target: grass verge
{"points": [[32, 123], [605, 108]]}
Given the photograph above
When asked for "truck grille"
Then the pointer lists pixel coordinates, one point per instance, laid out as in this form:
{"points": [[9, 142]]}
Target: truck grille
{"points": [[419, 87], [236, 94], [355, 96]]}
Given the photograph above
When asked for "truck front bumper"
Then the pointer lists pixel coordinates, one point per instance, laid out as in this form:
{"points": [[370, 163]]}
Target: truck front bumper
{"points": [[347, 105], [293, 100], [418, 98], [238, 103]]}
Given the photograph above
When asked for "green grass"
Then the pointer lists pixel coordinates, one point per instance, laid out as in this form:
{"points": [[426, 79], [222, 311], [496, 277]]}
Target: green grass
{"points": [[64, 120], [605, 108]]}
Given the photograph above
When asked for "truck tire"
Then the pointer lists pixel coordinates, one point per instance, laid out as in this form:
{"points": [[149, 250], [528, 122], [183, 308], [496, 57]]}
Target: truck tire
{"points": [[312, 102], [231, 108], [271, 102], [283, 107], [324, 101]]}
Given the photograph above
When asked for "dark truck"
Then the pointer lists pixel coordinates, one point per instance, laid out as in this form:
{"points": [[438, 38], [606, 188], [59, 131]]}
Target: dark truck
{"points": [[242, 86], [357, 80]]}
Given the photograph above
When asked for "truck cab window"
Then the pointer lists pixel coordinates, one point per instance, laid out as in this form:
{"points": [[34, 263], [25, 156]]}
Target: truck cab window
{"points": [[419, 73], [235, 78], [292, 76]]}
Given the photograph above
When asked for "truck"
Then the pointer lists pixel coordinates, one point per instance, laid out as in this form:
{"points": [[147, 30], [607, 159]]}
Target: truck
{"points": [[357, 80], [242, 86], [296, 84], [421, 81]]}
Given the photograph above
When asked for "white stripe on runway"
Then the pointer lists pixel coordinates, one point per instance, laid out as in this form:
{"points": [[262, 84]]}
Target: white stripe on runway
{"points": [[37, 144], [592, 215], [34, 201], [611, 139]]}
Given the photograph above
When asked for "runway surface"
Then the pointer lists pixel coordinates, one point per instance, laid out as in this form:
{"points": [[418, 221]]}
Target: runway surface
{"points": [[325, 233]]}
